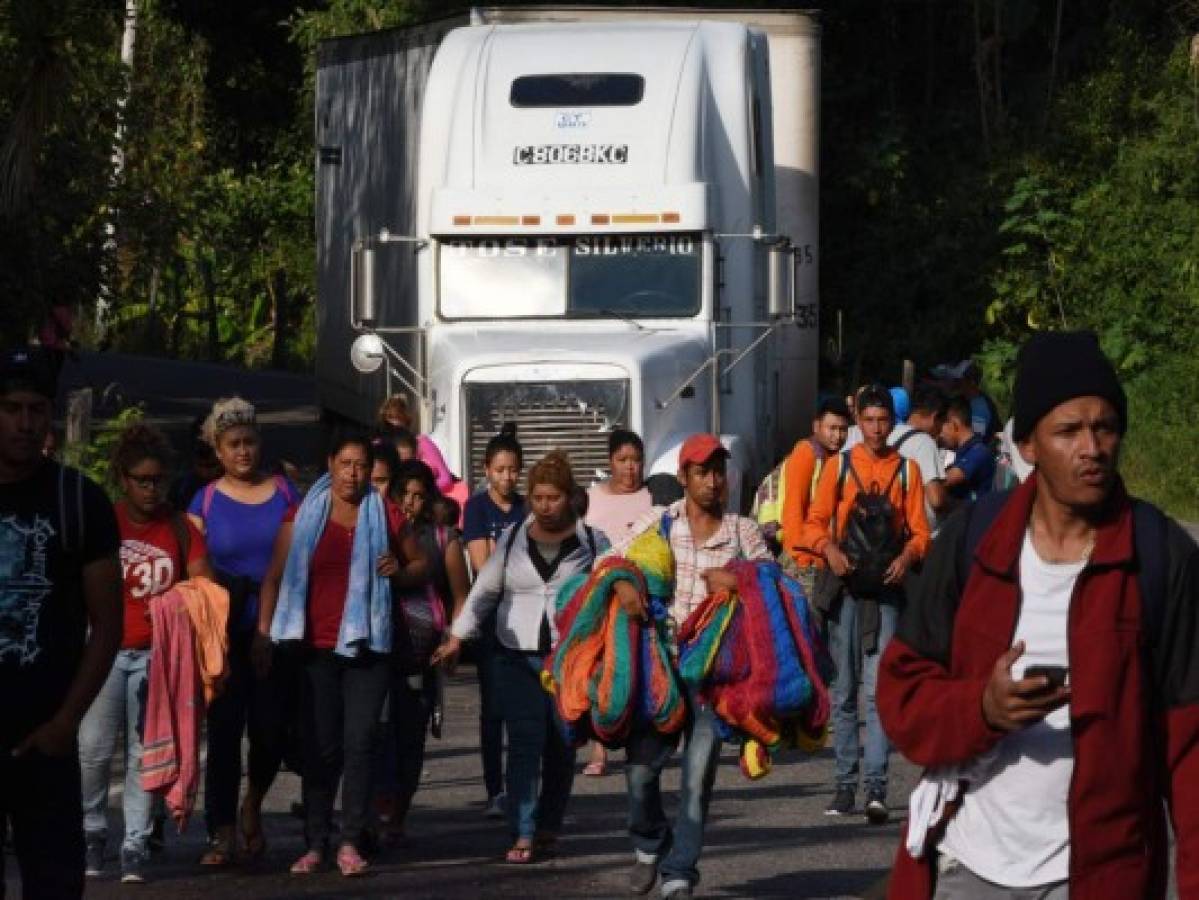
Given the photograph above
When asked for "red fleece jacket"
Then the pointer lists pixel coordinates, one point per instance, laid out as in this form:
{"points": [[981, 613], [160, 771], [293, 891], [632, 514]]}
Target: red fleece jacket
{"points": [[1134, 711]]}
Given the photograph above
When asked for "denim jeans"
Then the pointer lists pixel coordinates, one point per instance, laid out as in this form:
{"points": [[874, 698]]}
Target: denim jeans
{"points": [[956, 882], [412, 698], [265, 711], [541, 765], [341, 700], [491, 724], [676, 849], [121, 704], [853, 668]]}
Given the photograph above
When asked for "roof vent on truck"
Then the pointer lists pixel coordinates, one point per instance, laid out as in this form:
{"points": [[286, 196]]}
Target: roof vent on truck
{"points": [[577, 89]]}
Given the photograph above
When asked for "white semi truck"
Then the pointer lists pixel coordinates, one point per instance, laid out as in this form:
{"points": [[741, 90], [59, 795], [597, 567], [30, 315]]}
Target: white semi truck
{"points": [[576, 219]]}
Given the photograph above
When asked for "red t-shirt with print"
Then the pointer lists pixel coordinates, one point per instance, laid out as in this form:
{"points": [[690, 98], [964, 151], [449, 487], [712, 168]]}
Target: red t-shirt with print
{"points": [[150, 555], [329, 575]]}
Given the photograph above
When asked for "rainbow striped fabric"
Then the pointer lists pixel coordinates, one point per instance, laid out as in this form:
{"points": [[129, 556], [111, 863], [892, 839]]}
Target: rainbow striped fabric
{"points": [[609, 670], [756, 657]]}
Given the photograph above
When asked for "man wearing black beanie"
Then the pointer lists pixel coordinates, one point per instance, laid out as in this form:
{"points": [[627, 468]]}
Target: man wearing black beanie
{"points": [[1048, 660], [1054, 367]]}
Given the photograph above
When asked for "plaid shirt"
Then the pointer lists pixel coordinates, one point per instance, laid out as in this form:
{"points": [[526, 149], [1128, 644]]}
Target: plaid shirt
{"points": [[737, 537]]}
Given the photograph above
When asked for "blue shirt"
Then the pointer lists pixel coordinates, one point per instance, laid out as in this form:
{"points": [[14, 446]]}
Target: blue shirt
{"points": [[483, 518], [241, 536], [977, 461]]}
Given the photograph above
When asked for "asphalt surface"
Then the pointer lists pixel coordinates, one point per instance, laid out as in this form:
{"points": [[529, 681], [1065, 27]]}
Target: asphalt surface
{"points": [[766, 838]]}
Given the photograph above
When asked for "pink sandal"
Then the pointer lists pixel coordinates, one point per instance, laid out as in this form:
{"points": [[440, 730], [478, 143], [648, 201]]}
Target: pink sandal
{"points": [[307, 864], [350, 862]]}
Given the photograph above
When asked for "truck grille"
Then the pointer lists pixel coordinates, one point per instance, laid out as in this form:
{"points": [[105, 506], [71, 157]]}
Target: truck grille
{"points": [[574, 416]]}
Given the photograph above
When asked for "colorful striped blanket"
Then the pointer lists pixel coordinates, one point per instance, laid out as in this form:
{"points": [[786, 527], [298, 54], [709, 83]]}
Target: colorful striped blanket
{"points": [[756, 657], [609, 670]]}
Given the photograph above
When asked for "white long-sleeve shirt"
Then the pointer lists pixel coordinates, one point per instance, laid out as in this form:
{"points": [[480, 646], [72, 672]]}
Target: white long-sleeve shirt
{"points": [[510, 581]]}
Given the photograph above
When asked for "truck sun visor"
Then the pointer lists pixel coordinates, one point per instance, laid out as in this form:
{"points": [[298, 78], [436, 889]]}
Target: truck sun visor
{"points": [[577, 89]]}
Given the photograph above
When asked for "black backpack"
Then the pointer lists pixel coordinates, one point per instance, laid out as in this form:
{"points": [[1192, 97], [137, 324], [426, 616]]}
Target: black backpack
{"points": [[871, 541]]}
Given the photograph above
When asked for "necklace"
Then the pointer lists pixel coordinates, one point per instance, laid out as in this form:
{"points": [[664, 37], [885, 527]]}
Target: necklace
{"points": [[1056, 561]]}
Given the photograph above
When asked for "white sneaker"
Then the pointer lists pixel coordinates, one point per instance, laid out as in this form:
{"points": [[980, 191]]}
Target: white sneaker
{"points": [[497, 807], [94, 859]]}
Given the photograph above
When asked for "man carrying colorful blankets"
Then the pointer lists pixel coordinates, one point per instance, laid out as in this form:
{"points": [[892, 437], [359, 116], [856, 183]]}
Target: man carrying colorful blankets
{"points": [[703, 538]]}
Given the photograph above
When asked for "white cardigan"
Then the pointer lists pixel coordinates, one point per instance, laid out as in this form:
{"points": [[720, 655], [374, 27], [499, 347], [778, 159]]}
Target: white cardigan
{"points": [[523, 598]]}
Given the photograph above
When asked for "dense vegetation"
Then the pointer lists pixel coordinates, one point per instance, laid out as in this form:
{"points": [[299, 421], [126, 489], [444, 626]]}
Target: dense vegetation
{"points": [[990, 167]]}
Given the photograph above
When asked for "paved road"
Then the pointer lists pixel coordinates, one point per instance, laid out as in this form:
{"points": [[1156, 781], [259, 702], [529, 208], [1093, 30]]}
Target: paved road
{"points": [[768, 838]]}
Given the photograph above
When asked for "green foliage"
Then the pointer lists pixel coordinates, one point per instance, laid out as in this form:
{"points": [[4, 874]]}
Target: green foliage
{"points": [[1159, 449], [94, 458], [1104, 235], [989, 169], [57, 75]]}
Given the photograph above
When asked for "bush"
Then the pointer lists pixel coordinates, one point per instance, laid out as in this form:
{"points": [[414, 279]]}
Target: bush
{"points": [[1159, 451], [94, 458]]}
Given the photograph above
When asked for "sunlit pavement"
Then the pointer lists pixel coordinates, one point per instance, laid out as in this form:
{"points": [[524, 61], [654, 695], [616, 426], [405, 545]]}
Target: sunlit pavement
{"points": [[768, 838]]}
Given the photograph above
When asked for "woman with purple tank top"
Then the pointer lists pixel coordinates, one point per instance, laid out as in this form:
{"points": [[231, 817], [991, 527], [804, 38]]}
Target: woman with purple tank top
{"points": [[240, 514]]}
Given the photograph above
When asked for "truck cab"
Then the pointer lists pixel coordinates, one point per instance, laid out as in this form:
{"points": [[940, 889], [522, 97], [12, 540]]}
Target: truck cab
{"points": [[593, 242]]}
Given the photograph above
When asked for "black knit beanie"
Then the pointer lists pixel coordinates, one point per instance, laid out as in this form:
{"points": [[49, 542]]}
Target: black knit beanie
{"points": [[1054, 367]]}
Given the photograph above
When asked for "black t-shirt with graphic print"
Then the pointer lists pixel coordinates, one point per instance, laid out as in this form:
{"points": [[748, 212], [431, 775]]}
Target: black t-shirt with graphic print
{"points": [[52, 524]]}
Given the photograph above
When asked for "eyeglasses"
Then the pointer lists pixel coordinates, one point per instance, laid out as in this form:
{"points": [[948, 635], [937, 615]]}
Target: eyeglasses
{"points": [[147, 482]]}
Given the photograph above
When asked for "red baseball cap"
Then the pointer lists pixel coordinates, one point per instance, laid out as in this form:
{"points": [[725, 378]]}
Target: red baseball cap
{"points": [[699, 449]]}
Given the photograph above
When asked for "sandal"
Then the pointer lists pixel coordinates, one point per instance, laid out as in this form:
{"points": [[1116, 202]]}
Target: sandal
{"points": [[308, 864], [350, 862], [254, 838], [595, 769], [520, 855], [219, 852]]}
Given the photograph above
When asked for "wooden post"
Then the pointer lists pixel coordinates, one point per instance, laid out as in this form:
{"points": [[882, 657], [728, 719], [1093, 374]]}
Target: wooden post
{"points": [[909, 376], [79, 417]]}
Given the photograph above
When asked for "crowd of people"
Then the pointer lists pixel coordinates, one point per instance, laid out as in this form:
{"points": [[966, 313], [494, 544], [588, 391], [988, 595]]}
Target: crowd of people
{"points": [[1014, 633]]}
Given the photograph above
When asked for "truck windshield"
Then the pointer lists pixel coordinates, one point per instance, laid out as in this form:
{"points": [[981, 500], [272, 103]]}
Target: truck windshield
{"points": [[589, 276]]}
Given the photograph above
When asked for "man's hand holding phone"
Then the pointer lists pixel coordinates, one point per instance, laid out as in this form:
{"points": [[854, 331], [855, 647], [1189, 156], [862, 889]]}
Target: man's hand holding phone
{"points": [[1010, 705]]}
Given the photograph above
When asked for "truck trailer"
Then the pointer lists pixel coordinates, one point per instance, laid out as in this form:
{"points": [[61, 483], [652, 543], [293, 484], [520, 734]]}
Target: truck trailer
{"points": [[576, 219]]}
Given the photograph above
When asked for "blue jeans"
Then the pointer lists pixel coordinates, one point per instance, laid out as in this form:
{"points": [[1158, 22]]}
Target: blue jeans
{"points": [[491, 724], [676, 849], [121, 702], [541, 765], [854, 667]]}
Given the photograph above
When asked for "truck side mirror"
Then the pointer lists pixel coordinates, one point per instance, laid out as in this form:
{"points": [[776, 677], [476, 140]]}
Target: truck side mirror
{"points": [[362, 284], [780, 281]]}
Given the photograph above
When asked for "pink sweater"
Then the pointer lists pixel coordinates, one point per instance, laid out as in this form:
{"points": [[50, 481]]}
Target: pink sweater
{"points": [[428, 453], [170, 743]]}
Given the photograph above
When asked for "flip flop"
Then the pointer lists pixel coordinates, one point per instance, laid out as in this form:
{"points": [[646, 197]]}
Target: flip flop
{"points": [[308, 864], [350, 862], [254, 840], [520, 855], [219, 853]]}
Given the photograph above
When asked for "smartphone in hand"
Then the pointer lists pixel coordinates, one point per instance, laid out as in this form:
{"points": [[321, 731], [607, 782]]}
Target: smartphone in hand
{"points": [[1057, 676]]}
